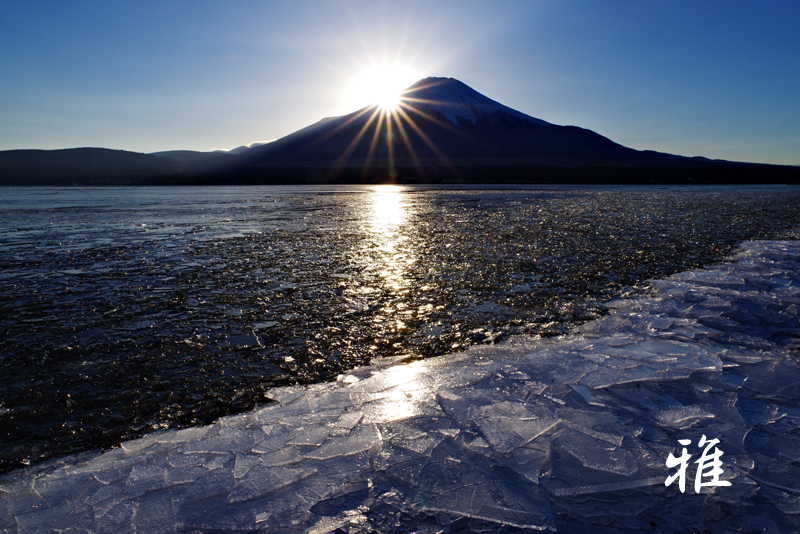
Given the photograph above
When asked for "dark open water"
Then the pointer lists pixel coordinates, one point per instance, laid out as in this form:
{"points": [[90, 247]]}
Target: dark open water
{"points": [[129, 310]]}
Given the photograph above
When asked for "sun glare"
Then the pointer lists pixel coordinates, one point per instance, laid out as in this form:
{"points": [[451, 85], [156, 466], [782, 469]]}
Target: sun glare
{"points": [[389, 100], [381, 86]]}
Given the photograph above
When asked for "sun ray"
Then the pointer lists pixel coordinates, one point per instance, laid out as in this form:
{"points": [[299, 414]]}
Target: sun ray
{"points": [[406, 140], [373, 144], [428, 141], [340, 163], [446, 125], [336, 130], [390, 144]]}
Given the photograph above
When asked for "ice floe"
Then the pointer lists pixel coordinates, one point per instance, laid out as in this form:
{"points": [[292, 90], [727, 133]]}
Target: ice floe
{"points": [[569, 433]]}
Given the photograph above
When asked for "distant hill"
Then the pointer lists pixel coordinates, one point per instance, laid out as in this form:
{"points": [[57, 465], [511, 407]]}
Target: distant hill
{"points": [[211, 159], [85, 166], [240, 149]]}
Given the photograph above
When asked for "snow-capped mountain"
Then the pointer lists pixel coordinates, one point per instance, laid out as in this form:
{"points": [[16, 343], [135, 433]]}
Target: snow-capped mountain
{"points": [[459, 103], [438, 119]]}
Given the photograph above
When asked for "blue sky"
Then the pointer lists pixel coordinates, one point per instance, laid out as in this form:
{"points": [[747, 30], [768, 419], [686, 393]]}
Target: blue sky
{"points": [[716, 78]]}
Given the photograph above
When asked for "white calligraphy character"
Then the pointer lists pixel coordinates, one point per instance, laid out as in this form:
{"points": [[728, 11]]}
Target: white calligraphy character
{"points": [[683, 461], [712, 463]]}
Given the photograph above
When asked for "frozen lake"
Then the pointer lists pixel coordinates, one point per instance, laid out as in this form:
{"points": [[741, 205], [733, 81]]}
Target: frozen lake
{"points": [[126, 311], [573, 433]]}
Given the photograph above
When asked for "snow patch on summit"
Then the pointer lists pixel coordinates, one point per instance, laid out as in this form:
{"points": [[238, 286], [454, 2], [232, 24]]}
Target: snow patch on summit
{"points": [[459, 102]]}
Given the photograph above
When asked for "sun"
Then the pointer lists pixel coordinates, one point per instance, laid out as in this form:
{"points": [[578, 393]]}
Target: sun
{"points": [[388, 100], [380, 85]]}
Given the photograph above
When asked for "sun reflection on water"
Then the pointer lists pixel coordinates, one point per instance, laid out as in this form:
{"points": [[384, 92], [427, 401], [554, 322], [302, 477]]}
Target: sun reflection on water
{"points": [[388, 209], [388, 215]]}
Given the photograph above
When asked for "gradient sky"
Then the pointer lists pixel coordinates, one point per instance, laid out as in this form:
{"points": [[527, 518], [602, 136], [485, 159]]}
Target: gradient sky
{"points": [[714, 78]]}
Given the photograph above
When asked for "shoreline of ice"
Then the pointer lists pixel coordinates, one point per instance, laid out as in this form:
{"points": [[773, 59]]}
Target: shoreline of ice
{"points": [[567, 433]]}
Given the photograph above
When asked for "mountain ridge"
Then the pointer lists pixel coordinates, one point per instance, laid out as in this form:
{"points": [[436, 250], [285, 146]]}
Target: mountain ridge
{"points": [[85, 165]]}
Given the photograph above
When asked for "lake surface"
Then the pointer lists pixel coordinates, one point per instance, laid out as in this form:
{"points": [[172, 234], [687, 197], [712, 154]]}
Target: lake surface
{"points": [[129, 310]]}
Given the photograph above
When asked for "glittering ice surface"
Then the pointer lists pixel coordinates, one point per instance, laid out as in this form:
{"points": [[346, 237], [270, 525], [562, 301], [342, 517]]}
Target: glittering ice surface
{"points": [[569, 433]]}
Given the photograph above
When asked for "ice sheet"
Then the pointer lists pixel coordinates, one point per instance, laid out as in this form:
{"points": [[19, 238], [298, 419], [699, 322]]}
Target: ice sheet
{"points": [[569, 433]]}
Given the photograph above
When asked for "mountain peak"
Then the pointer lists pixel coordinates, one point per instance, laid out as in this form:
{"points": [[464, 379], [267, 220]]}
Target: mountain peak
{"points": [[460, 103], [433, 80]]}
